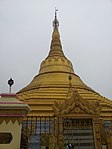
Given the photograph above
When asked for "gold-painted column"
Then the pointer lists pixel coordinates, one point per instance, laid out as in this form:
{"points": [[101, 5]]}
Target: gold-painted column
{"points": [[109, 139], [53, 136], [60, 133], [97, 133]]}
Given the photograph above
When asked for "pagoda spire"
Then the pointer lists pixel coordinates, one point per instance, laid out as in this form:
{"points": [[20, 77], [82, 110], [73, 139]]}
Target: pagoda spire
{"points": [[56, 48], [55, 22]]}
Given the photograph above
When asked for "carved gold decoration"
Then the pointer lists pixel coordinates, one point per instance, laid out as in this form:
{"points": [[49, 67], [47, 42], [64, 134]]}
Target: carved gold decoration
{"points": [[45, 139], [77, 104], [77, 110], [52, 142]]}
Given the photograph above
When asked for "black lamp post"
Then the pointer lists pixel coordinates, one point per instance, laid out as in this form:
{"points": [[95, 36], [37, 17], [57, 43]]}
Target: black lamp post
{"points": [[10, 82]]}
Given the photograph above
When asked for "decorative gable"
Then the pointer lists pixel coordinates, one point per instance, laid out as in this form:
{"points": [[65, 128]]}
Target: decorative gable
{"points": [[75, 105]]}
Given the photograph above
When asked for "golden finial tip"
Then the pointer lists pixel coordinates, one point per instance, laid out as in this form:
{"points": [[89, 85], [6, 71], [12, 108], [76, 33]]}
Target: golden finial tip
{"points": [[56, 12], [56, 9], [55, 22]]}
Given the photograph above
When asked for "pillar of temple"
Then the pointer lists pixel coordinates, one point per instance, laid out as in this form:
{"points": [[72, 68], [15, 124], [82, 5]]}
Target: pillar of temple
{"points": [[12, 112]]}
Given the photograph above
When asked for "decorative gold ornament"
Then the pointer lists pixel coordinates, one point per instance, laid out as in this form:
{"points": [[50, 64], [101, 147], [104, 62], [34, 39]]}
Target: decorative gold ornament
{"points": [[77, 110]]}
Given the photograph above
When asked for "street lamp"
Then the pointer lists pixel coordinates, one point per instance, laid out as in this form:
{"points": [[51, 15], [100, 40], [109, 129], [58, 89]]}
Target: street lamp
{"points": [[10, 82]]}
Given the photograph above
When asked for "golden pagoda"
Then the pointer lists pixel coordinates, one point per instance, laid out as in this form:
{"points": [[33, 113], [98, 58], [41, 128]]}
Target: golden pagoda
{"points": [[73, 114]]}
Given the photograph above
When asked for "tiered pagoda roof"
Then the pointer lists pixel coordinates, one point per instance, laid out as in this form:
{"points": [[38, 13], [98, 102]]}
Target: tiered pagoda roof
{"points": [[52, 83]]}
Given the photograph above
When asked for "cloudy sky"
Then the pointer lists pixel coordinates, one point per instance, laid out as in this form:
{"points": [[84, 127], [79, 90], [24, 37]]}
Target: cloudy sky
{"points": [[86, 36]]}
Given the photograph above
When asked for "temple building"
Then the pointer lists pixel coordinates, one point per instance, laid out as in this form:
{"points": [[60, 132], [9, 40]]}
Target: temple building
{"points": [[65, 112]]}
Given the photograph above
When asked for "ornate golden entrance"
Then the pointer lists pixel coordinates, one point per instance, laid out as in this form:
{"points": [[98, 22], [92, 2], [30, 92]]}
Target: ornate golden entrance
{"points": [[81, 126], [63, 133], [76, 124]]}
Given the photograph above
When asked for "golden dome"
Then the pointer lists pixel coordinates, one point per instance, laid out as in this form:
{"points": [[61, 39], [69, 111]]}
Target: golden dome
{"points": [[51, 84], [55, 69]]}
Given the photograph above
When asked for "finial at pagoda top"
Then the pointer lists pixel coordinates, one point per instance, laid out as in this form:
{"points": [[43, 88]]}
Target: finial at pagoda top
{"points": [[55, 22], [56, 12]]}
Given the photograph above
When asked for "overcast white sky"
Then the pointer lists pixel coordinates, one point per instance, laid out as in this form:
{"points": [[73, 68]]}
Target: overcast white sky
{"points": [[86, 36]]}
